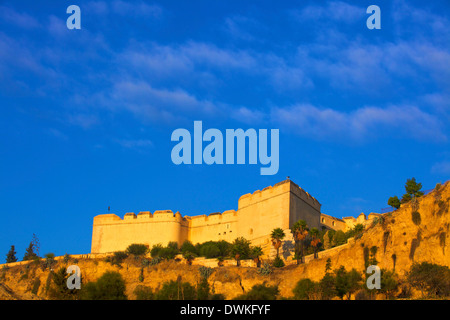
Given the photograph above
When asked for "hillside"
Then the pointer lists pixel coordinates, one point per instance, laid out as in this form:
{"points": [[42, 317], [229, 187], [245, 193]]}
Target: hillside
{"points": [[399, 240]]}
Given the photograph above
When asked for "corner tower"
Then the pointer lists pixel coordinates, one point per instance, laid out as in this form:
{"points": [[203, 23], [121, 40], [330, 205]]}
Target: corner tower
{"points": [[279, 206]]}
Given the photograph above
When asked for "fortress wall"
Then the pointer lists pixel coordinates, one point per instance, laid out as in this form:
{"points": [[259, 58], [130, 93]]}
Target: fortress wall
{"points": [[213, 227], [303, 206], [110, 233], [259, 213], [332, 222]]}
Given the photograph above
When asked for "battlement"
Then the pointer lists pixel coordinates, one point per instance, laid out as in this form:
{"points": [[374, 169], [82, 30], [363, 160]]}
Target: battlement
{"points": [[166, 215], [278, 189]]}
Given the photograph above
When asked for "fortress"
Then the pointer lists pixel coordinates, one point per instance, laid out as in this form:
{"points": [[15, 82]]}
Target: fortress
{"points": [[258, 214]]}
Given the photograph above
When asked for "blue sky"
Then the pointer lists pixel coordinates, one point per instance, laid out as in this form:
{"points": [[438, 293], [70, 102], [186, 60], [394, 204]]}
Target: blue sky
{"points": [[86, 115]]}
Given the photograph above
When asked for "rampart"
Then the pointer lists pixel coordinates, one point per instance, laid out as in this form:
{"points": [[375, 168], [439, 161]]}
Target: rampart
{"points": [[257, 215]]}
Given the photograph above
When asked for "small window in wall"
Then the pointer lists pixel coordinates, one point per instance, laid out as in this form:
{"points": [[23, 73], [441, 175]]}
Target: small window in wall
{"points": [[250, 231], [224, 233], [333, 223], [323, 220]]}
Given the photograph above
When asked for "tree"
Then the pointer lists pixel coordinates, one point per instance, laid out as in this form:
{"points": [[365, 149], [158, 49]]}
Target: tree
{"points": [[300, 232], [394, 202], [58, 289], [306, 289], [11, 255], [315, 241], [29, 253], [389, 283], [347, 282], [406, 198], [413, 188], [260, 292], [176, 290], [32, 251], [110, 286], [339, 238], [143, 293], [354, 279], [256, 252], [430, 278], [328, 286], [277, 235], [240, 249]]}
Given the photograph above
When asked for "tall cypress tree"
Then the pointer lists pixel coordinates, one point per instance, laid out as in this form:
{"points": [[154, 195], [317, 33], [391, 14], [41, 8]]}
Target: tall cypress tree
{"points": [[29, 253], [11, 256]]}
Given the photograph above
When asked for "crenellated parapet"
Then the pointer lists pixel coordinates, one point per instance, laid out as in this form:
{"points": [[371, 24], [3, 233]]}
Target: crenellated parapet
{"points": [[277, 190]]}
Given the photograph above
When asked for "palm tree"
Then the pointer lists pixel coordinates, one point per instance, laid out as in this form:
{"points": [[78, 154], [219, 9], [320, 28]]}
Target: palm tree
{"points": [[277, 235], [300, 232], [315, 240], [255, 253], [240, 249]]}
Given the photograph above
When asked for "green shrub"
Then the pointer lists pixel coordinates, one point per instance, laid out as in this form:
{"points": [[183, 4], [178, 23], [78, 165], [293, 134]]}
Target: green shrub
{"points": [[416, 217], [260, 292], [205, 272], [36, 285], [176, 290], [58, 289], [137, 249], [156, 249], [389, 283], [217, 296], [49, 260], [143, 293], [155, 261], [117, 258], [203, 290], [305, 289], [145, 263], [210, 250], [266, 269], [187, 246], [168, 252], [66, 258], [110, 286], [278, 262]]}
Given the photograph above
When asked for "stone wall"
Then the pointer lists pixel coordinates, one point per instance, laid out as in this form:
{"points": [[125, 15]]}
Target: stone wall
{"points": [[258, 214]]}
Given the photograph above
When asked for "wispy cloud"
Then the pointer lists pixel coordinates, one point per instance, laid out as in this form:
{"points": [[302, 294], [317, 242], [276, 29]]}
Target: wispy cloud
{"points": [[332, 11], [20, 19], [360, 124]]}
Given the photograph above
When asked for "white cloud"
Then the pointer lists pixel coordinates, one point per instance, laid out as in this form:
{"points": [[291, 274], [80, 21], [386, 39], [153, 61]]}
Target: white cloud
{"points": [[143, 100], [359, 124], [19, 19], [333, 11]]}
